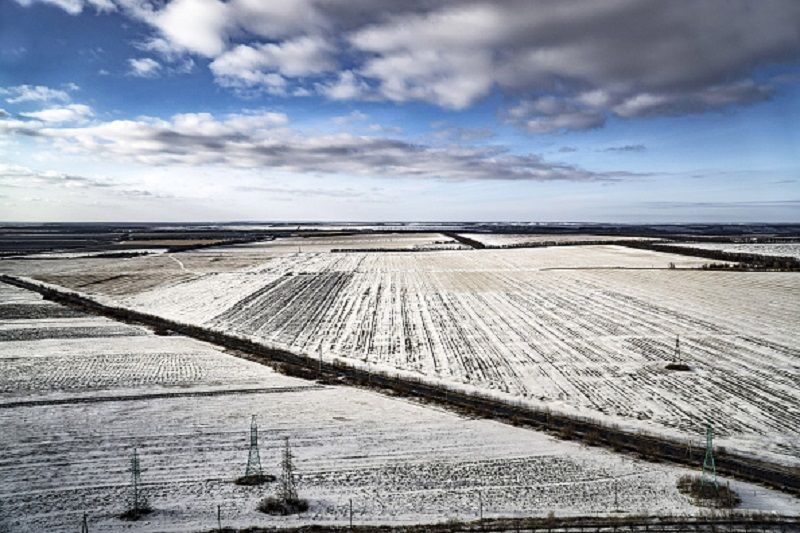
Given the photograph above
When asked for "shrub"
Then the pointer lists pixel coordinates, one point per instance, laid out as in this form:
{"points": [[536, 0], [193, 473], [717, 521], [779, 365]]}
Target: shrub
{"points": [[255, 480], [566, 432], [708, 494], [277, 506], [680, 367], [135, 513]]}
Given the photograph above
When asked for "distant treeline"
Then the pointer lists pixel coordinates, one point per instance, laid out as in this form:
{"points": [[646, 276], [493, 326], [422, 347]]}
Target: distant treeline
{"points": [[227, 242], [543, 244], [737, 239], [472, 243], [745, 261], [391, 250]]}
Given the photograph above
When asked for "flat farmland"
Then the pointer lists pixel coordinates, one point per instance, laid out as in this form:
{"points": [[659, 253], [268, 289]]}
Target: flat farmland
{"points": [[787, 249], [500, 240], [365, 241], [120, 277], [586, 330], [73, 410]]}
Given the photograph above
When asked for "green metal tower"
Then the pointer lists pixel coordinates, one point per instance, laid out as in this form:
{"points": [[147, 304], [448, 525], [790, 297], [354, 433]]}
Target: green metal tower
{"points": [[287, 491], [709, 466], [253, 469], [138, 502]]}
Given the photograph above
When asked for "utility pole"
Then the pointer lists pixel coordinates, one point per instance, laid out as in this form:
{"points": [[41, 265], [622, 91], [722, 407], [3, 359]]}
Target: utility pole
{"points": [[677, 348], [219, 518], [319, 350], [84, 524], [351, 513], [480, 506]]}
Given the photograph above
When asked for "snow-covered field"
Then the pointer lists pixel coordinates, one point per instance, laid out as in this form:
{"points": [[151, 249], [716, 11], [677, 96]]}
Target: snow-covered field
{"points": [[75, 255], [586, 330], [591, 342], [780, 250], [518, 239], [378, 241], [72, 410]]}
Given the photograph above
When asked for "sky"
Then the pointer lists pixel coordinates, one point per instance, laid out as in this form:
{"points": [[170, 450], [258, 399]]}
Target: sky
{"points": [[623, 111]]}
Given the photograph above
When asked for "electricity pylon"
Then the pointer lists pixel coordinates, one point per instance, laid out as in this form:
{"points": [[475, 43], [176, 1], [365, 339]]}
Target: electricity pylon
{"points": [[677, 348], [287, 491], [136, 481], [84, 524], [253, 458], [709, 467]]}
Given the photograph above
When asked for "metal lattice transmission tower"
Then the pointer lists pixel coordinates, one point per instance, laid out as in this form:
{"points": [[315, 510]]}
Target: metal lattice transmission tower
{"points": [[253, 458], [84, 524], [136, 481], [678, 349], [287, 491], [709, 466]]}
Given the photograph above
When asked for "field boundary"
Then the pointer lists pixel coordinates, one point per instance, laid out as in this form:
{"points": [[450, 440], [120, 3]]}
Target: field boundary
{"points": [[747, 261], [568, 427], [472, 243], [153, 396], [574, 524], [546, 244]]}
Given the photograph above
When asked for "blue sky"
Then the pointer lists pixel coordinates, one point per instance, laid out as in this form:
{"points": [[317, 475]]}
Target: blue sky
{"points": [[614, 111]]}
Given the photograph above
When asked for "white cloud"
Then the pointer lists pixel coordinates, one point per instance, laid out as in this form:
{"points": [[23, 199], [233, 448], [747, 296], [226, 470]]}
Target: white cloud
{"points": [[74, 7], [198, 26], [713, 97], [446, 78], [353, 116], [590, 60], [562, 65], [56, 184], [548, 113], [34, 93], [278, 19], [589, 110], [262, 140], [20, 176], [175, 59], [161, 46], [440, 57], [144, 67], [68, 113], [251, 65], [103, 5], [346, 87]]}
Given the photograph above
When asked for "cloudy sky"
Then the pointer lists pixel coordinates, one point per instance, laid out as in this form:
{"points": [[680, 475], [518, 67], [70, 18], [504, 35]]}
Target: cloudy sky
{"points": [[543, 110]]}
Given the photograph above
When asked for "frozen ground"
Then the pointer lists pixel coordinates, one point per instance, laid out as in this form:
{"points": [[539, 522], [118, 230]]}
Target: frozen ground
{"points": [[516, 239], [377, 241], [770, 249], [586, 329], [76, 255], [400, 462]]}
